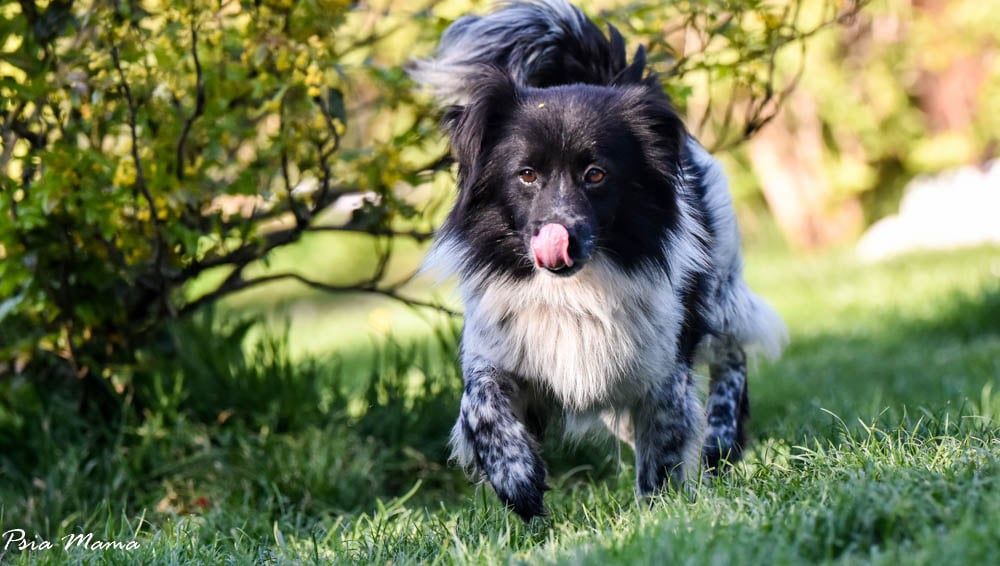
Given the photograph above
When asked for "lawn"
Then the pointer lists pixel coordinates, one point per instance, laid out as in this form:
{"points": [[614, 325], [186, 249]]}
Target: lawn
{"points": [[876, 439]]}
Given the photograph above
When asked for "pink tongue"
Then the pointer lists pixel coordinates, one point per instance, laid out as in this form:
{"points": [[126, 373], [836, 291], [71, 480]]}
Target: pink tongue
{"points": [[551, 247]]}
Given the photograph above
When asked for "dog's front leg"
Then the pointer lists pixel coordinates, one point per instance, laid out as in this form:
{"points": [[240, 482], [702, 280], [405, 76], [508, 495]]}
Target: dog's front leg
{"points": [[667, 425], [728, 404], [491, 436]]}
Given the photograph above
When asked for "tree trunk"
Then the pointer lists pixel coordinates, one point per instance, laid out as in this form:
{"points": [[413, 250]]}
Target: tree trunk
{"points": [[949, 94], [787, 158]]}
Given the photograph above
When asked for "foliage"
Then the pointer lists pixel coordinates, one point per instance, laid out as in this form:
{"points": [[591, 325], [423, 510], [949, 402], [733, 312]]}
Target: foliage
{"points": [[874, 82], [147, 145], [730, 64], [875, 440]]}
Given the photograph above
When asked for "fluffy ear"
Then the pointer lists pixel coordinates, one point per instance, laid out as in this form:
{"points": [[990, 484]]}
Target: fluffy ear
{"points": [[629, 73], [473, 128], [656, 124]]}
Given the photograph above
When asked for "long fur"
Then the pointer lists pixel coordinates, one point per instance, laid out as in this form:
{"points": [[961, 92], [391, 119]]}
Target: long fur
{"points": [[661, 278], [539, 42]]}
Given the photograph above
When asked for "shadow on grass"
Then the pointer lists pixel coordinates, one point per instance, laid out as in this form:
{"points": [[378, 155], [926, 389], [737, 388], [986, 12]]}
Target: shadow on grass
{"points": [[898, 366]]}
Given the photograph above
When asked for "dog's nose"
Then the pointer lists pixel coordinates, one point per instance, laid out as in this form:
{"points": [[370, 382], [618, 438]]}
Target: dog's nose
{"points": [[550, 247]]}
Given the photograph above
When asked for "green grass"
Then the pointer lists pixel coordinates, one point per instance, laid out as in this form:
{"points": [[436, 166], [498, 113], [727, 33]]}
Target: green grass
{"points": [[323, 321], [876, 439]]}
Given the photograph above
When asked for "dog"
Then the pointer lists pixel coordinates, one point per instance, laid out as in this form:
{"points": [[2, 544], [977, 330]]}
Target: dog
{"points": [[597, 254]]}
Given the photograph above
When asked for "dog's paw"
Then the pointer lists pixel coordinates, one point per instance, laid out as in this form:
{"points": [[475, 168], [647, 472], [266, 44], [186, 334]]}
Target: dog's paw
{"points": [[719, 451], [522, 490], [527, 502]]}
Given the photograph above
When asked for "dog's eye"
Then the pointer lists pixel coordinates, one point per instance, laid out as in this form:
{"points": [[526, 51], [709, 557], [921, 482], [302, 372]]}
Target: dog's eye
{"points": [[594, 175], [527, 176]]}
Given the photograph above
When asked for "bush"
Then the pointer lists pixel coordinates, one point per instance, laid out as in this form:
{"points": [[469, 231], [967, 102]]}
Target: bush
{"points": [[143, 149]]}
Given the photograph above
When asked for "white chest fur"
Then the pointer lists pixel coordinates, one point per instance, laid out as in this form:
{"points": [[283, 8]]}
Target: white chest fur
{"points": [[595, 338]]}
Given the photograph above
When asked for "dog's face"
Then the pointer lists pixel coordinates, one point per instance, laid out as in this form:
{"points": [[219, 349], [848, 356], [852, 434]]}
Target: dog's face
{"points": [[551, 177], [562, 167]]}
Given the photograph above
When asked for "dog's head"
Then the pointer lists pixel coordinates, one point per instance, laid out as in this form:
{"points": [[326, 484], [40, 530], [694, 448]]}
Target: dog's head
{"points": [[549, 177]]}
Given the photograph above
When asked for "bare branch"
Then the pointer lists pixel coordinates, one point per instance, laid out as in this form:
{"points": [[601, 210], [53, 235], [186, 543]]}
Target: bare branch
{"points": [[301, 217], [762, 108], [374, 37], [199, 105], [140, 183], [7, 135], [324, 155], [235, 284], [140, 179], [384, 252], [418, 235], [246, 253]]}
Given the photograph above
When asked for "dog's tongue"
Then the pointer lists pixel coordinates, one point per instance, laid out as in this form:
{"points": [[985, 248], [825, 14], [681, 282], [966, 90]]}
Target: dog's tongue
{"points": [[551, 247]]}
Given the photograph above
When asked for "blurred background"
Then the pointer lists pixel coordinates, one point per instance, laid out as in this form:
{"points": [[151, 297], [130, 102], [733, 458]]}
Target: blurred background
{"points": [[212, 214], [284, 140]]}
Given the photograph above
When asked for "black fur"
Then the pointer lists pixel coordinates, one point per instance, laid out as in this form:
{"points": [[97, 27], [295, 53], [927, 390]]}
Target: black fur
{"points": [[632, 132], [536, 87], [541, 47]]}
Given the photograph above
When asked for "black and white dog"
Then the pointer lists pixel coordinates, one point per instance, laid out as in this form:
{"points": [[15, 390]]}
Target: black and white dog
{"points": [[597, 253]]}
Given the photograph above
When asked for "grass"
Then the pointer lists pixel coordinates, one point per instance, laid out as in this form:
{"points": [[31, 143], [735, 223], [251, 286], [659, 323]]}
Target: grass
{"points": [[876, 440]]}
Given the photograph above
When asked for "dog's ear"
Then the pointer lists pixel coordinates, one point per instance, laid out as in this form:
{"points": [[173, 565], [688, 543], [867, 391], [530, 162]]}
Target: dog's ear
{"points": [[654, 121], [475, 127], [627, 73]]}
